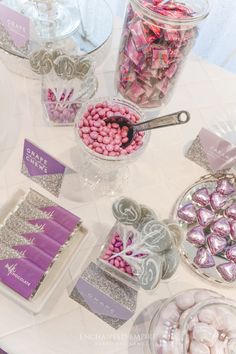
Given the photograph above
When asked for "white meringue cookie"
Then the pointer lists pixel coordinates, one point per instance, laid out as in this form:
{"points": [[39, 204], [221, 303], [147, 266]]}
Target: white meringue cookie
{"points": [[206, 334], [198, 348], [171, 313], [202, 295], [219, 348], [185, 301], [207, 315]]}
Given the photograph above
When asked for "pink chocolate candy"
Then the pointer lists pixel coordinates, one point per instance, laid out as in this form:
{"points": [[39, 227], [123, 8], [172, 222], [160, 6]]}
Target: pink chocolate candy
{"points": [[61, 110], [107, 138], [114, 247]]}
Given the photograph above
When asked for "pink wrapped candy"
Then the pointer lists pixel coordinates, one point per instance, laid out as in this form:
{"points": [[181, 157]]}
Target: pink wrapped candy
{"points": [[153, 50]]}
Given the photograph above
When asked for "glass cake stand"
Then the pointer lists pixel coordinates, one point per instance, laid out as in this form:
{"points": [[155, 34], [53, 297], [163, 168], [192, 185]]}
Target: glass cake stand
{"points": [[85, 32]]}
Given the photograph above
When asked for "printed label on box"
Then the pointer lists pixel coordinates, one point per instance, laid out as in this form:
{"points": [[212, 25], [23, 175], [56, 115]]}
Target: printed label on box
{"points": [[15, 30], [212, 152]]}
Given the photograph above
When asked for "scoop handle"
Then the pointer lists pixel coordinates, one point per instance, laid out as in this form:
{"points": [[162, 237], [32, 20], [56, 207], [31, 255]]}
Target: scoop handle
{"points": [[177, 118]]}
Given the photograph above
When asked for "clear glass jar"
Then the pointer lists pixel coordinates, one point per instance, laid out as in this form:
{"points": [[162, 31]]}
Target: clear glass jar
{"points": [[155, 42], [193, 322], [106, 174], [62, 98]]}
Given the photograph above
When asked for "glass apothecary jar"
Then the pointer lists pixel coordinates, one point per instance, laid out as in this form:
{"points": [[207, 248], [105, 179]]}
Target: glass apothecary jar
{"points": [[193, 322], [157, 37], [139, 250]]}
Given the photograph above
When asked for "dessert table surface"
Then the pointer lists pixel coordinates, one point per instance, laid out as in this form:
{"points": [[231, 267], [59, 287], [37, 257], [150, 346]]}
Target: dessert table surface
{"points": [[157, 179]]}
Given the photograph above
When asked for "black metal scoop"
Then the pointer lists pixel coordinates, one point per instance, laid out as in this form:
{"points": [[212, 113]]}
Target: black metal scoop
{"points": [[181, 117]]}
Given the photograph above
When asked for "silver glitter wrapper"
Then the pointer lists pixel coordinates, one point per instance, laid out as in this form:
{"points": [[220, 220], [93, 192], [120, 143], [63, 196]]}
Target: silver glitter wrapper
{"points": [[20, 226], [11, 238], [197, 154], [117, 291], [52, 183], [38, 200], [8, 253], [7, 44], [27, 211]]}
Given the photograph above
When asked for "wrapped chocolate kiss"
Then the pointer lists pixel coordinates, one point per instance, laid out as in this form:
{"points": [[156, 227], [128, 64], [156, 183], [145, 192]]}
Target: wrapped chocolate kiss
{"points": [[206, 212]]}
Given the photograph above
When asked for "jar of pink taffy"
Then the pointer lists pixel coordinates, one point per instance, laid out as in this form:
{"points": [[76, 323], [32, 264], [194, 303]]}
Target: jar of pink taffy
{"points": [[156, 39]]}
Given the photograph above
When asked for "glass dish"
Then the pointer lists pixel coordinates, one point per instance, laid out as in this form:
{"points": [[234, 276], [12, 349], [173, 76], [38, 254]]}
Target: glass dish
{"points": [[181, 320], [108, 173], [213, 255], [155, 42]]}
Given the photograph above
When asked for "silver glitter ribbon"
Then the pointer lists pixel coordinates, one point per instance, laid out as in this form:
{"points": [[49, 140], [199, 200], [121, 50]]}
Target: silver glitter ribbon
{"points": [[8, 253], [38, 200], [11, 238], [52, 183], [28, 212]]}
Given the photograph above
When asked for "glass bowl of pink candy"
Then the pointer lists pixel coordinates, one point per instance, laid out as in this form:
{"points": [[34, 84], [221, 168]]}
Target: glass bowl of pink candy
{"points": [[194, 322], [103, 141]]}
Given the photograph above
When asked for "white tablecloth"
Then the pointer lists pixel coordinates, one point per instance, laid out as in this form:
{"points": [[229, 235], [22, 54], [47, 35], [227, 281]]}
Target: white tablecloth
{"points": [[157, 179]]}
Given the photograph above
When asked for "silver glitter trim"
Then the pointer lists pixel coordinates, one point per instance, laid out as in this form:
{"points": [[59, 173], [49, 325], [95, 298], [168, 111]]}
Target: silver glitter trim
{"points": [[38, 200], [7, 44], [111, 287], [11, 238], [27, 211], [8, 253], [113, 322], [52, 183], [20, 226], [197, 154]]}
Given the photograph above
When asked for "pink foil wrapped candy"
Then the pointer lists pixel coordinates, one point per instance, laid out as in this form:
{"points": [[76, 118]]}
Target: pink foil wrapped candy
{"points": [[154, 50]]}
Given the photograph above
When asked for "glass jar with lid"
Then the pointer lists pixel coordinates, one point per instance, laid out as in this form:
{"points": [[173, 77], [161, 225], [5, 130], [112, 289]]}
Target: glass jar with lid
{"points": [[196, 321], [157, 37]]}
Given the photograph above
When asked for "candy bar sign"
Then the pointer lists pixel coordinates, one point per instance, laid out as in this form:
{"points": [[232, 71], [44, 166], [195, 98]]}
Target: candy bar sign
{"points": [[15, 27], [43, 169], [212, 152]]}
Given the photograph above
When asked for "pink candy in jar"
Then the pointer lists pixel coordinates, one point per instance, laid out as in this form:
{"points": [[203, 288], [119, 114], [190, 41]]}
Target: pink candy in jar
{"points": [[106, 138], [60, 107], [156, 39]]}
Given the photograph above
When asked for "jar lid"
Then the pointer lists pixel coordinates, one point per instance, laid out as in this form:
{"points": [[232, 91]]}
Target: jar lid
{"points": [[185, 12]]}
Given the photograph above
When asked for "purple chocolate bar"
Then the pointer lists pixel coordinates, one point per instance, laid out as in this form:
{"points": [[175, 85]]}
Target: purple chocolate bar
{"points": [[31, 233], [25, 248], [17, 273], [43, 222], [56, 212], [49, 227]]}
